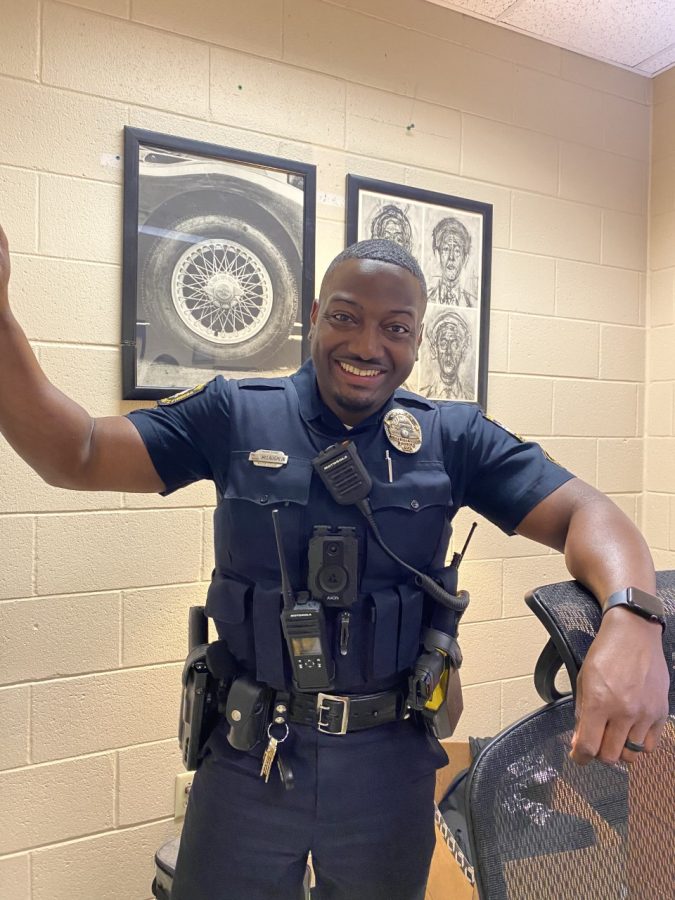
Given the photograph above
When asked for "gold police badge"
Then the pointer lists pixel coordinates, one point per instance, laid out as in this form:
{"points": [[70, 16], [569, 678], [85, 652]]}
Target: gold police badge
{"points": [[403, 430]]}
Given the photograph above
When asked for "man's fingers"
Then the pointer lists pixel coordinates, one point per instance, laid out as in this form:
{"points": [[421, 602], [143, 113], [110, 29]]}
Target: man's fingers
{"points": [[588, 731]]}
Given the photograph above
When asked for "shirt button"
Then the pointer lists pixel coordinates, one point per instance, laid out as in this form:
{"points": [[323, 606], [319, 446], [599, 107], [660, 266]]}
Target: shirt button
{"points": [[415, 504], [264, 498]]}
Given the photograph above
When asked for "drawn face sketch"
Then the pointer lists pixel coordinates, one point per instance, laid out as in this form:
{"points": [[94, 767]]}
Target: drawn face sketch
{"points": [[451, 242], [450, 339], [392, 224]]}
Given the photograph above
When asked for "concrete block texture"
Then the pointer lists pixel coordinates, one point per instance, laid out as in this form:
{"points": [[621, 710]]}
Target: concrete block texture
{"points": [[146, 782], [579, 455], [604, 77], [503, 649], [56, 636], [100, 551], [14, 712], [598, 293], [483, 580], [627, 126], [16, 573], [110, 866], [624, 240], [555, 227], [93, 289], [659, 468], [622, 353], [620, 465], [481, 716], [15, 877], [19, 39], [369, 51], [522, 404], [80, 219], [603, 179], [388, 126], [523, 282], [98, 712], [95, 54], [119, 8], [661, 310], [662, 185], [60, 131], [662, 353], [155, 620], [250, 25], [526, 159], [656, 520], [247, 90], [660, 408], [43, 804], [18, 190], [549, 104], [523, 574], [602, 408], [91, 376], [540, 345]]}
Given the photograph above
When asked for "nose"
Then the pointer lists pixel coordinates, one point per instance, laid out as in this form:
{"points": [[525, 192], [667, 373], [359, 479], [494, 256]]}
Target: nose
{"points": [[365, 343]]}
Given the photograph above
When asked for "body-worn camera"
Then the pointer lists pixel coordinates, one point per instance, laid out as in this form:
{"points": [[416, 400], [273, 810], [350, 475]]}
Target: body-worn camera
{"points": [[332, 578]]}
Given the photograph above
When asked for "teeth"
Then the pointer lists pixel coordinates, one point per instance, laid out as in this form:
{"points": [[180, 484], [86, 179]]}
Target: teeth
{"points": [[363, 372]]}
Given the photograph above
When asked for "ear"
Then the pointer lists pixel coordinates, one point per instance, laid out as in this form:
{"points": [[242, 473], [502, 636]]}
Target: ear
{"points": [[419, 342], [314, 312]]}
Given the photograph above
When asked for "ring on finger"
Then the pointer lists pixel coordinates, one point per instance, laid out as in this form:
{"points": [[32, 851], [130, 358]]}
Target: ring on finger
{"points": [[632, 745]]}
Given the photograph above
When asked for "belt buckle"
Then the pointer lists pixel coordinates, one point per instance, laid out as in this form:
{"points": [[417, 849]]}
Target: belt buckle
{"points": [[324, 727]]}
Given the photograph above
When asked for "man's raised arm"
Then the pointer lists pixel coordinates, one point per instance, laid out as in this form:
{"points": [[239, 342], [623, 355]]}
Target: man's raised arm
{"points": [[622, 689], [52, 433]]}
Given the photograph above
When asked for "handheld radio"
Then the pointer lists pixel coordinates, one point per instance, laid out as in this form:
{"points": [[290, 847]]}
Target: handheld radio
{"points": [[304, 625]]}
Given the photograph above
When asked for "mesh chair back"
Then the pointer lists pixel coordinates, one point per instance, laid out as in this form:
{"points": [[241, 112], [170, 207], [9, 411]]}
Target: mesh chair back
{"points": [[542, 827]]}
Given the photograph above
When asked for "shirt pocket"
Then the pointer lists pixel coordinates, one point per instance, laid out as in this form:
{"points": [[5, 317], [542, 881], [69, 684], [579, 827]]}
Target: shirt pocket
{"points": [[412, 514]]}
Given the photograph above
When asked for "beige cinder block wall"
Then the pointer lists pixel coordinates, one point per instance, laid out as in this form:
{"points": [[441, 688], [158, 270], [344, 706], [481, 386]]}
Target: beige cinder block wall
{"points": [[94, 588], [659, 517]]}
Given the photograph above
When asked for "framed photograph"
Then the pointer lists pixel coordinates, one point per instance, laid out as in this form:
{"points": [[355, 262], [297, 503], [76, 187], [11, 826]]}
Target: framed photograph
{"points": [[218, 263], [451, 238]]}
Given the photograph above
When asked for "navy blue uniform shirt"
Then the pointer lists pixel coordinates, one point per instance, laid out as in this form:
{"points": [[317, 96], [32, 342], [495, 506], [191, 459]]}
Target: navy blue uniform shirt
{"points": [[466, 459]]}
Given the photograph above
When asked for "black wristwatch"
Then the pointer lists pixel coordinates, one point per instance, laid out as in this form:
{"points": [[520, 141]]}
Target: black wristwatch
{"points": [[640, 602]]}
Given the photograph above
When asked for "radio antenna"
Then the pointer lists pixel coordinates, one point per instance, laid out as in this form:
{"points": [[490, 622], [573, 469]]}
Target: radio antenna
{"points": [[286, 589]]}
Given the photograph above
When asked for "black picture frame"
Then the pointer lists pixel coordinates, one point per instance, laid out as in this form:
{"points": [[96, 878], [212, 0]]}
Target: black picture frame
{"points": [[217, 263], [451, 237]]}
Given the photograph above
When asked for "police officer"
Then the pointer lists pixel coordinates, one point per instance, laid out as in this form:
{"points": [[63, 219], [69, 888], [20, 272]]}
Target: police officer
{"points": [[363, 773]]}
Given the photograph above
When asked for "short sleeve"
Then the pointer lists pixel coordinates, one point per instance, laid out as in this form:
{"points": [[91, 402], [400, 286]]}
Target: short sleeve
{"points": [[495, 472], [187, 436]]}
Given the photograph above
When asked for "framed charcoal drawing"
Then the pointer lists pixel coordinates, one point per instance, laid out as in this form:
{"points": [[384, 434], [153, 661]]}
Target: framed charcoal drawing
{"points": [[218, 263], [451, 238]]}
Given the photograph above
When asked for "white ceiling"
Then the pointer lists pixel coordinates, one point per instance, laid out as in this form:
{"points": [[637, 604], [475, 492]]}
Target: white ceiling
{"points": [[636, 34]]}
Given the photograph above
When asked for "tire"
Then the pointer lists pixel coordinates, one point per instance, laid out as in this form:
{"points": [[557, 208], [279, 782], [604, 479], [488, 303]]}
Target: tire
{"points": [[221, 287]]}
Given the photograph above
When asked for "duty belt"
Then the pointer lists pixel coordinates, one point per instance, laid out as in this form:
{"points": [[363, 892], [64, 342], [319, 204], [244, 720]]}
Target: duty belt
{"points": [[338, 714]]}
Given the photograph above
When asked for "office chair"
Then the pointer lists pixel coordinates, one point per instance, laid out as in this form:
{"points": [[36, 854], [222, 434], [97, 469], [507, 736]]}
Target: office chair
{"points": [[543, 828]]}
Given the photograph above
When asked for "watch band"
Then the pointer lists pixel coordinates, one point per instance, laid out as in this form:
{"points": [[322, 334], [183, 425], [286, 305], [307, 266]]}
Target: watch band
{"points": [[639, 602]]}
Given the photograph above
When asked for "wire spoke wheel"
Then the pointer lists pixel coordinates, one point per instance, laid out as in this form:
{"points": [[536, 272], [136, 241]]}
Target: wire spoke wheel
{"points": [[222, 291]]}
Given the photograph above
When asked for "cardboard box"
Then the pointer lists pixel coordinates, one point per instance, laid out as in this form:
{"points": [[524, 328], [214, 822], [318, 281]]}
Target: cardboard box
{"points": [[450, 876]]}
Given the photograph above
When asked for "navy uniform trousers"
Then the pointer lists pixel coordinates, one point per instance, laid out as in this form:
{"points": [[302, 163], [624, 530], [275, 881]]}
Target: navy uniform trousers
{"points": [[362, 803]]}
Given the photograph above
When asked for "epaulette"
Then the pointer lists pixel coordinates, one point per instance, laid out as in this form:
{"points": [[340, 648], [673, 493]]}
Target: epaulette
{"points": [[262, 384], [407, 398]]}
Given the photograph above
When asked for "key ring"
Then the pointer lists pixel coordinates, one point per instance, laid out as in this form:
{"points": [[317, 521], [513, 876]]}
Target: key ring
{"points": [[271, 736]]}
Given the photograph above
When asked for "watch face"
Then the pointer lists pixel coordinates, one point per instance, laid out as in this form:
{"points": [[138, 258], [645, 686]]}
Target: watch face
{"points": [[644, 601]]}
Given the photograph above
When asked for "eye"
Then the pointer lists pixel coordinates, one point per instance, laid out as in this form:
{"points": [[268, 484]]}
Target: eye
{"points": [[340, 317], [397, 328]]}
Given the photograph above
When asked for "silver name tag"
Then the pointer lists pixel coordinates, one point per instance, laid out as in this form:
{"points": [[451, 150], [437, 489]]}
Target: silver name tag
{"points": [[270, 459]]}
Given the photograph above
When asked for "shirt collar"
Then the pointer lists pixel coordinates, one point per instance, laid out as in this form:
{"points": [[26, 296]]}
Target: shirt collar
{"points": [[314, 411]]}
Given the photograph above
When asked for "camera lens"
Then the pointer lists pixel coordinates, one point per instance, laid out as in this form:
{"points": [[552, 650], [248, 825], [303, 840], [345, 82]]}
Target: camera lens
{"points": [[332, 549]]}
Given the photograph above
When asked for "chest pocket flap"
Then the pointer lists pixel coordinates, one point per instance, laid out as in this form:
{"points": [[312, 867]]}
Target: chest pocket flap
{"points": [[415, 487], [266, 486]]}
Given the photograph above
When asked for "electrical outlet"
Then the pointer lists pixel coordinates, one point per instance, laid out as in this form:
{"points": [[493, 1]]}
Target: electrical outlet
{"points": [[182, 792]]}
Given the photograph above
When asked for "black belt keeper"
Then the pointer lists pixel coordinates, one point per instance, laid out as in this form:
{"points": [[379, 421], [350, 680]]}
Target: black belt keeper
{"points": [[339, 714]]}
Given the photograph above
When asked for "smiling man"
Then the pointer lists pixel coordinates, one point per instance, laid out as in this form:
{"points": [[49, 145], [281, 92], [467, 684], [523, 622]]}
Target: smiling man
{"points": [[362, 769]]}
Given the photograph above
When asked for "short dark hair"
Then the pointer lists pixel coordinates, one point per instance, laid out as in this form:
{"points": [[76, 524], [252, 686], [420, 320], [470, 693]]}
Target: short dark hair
{"points": [[382, 251]]}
